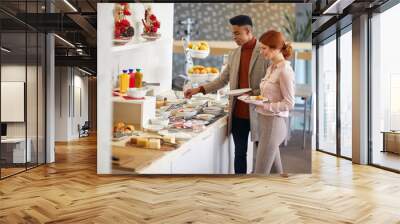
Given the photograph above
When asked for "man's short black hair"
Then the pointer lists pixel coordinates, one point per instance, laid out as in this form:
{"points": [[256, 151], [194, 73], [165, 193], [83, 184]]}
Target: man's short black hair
{"points": [[241, 20]]}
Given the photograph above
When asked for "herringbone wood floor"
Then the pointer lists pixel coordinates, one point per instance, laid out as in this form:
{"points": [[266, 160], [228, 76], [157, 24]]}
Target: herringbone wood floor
{"points": [[69, 191]]}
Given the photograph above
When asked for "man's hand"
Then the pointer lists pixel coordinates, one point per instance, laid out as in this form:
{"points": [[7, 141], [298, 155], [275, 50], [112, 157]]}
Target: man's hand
{"points": [[190, 92]]}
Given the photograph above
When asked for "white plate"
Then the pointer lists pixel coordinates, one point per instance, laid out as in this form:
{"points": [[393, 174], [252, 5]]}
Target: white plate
{"points": [[237, 92], [248, 100], [121, 41]]}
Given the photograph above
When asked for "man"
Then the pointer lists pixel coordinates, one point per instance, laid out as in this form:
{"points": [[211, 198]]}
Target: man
{"points": [[245, 69]]}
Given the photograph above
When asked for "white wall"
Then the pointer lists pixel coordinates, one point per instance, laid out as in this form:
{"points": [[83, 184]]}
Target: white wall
{"points": [[155, 58], [61, 103], [33, 127], [12, 73], [67, 114]]}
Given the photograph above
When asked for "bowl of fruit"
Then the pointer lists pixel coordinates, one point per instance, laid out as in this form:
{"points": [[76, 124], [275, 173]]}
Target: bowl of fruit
{"points": [[213, 73], [198, 74], [199, 50]]}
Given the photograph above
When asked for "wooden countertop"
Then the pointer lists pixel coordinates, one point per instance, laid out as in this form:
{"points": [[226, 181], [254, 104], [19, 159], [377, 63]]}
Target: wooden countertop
{"points": [[134, 159]]}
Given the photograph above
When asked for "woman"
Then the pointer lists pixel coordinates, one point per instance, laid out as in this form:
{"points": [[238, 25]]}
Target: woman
{"points": [[278, 87]]}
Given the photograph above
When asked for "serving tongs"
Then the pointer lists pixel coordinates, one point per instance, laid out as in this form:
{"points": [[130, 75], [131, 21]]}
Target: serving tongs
{"points": [[144, 83]]}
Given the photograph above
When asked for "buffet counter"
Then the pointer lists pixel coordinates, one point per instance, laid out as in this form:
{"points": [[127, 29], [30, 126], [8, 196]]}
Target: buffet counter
{"points": [[168, 134], [206, 152]]}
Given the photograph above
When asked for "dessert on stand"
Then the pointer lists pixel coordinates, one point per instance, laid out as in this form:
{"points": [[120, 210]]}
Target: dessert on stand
{"points": [[123, 31], [150, 25]]}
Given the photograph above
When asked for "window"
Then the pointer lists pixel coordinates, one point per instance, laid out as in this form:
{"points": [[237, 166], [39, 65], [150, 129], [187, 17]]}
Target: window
{"points": [[327, 97], [385, 88], [346, 94], [22, 77]]}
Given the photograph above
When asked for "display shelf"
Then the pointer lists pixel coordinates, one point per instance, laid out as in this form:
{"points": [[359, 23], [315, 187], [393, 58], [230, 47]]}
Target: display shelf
{"points": [[133, 44]]}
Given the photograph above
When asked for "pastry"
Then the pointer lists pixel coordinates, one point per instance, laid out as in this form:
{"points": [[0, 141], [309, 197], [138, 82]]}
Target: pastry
{"points": [[154, 143], [120, 125], [119, 130], [129, 128], [256, 97]]}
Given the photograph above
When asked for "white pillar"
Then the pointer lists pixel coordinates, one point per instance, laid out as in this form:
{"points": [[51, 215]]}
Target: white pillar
{"points": [[104, 86], [360, 90], [50, 99]]}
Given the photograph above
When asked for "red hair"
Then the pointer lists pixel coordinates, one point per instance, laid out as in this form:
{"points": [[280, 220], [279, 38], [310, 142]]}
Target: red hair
{"points": [[276, 40]]}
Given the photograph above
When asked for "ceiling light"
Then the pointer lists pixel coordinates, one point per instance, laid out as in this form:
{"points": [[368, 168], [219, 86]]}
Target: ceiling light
{"points": [[70, 5], [5, 50], [64, 40], [337, 7], [86, 72], [331, 7]]}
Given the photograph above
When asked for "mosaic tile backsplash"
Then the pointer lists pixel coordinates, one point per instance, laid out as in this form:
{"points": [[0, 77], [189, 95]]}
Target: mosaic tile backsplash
{"points": [[212, 23]]}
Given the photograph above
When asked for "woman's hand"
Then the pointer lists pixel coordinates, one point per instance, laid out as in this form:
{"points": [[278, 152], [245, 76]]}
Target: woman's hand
{"points": [[258, 103]]}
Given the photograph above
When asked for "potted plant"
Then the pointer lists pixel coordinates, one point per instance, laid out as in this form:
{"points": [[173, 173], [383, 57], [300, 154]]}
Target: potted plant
{"points": [[298, 33]]}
